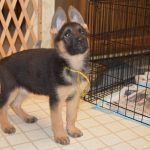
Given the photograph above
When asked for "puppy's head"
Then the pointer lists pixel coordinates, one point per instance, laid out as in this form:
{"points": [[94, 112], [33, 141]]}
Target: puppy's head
{"points": [[69, 37]]}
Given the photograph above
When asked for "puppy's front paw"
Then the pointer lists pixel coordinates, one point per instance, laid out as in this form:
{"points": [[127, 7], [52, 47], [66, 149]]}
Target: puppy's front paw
{"points": [[31, 119], [64, 140], [9, 130], [74, 132]]}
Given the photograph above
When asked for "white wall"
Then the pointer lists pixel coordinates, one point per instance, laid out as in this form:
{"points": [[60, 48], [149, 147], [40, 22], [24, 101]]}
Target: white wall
{"points": [[48, 7]]}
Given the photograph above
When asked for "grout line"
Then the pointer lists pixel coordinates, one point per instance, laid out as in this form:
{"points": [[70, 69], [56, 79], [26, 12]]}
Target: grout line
{"points": [[3, 135], [76, 141], [23, 132], [115, 135]]}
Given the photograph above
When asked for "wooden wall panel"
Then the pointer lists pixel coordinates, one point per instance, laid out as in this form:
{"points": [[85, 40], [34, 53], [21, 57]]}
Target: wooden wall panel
{"points": [[16, 25]]}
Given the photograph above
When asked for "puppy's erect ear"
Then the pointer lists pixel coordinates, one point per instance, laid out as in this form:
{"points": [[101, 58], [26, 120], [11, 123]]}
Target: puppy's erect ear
{"points": [[75, 16], [59, 19]]}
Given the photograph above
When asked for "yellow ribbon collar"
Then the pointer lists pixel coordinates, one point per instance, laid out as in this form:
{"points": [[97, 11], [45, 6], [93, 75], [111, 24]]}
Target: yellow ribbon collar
{"points": [[82, 91]]}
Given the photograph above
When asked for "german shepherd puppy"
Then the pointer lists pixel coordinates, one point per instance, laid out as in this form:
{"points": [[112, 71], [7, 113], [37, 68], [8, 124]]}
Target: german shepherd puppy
{"points": [[43, 71]]}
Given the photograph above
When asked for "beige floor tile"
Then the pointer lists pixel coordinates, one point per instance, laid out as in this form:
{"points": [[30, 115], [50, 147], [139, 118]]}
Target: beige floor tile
{"points": [[28, 127], [86, 135], [27, 102], [3, 143], [122, 146], [139, 143], [73, 140], [147, 137], [88, 123], [45, 122], [16, 139], [110, 139], [99, 131], [127, 135], [25, 146], [36, 135], [85, 105], [104, 119], [116, 117], [129, 123], [48, 131], [44, 105], [45, 144], [16, 120], [141, 130], [75, 146], [78, 125], [93, 112], [31, 108], [54, 148], [47, 111], [115, 126], [40, 114], [92, 144], [37, 98], [107, 148], [8, 148], [82, 115]]}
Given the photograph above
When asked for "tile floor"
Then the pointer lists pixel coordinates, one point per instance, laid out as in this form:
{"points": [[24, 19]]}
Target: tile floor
{"points": [[102, 131]]}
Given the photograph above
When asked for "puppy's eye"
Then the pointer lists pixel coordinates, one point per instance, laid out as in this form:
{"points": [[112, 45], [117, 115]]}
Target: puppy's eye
{"points": [[81, 31], [68, 34]]}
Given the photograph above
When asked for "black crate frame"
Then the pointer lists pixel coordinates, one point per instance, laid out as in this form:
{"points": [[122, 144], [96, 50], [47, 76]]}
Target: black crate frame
{"points": [[119, 51]]}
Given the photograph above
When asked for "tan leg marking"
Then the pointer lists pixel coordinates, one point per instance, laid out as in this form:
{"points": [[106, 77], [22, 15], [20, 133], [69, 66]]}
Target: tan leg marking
{"points": [[16, 106], [71, 116], [56, 116], [5, 125], [57, 125]]}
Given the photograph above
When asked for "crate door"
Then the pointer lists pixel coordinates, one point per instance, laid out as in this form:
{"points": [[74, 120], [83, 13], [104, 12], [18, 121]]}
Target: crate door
{"points": [[18, 25]]}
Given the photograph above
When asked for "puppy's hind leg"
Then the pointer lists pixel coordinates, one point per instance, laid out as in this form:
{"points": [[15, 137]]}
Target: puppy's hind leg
{"points": [[5, 125], [16, 106]]}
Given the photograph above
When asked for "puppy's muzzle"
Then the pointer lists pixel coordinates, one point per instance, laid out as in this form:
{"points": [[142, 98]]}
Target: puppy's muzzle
{"points": [[80, 44]]}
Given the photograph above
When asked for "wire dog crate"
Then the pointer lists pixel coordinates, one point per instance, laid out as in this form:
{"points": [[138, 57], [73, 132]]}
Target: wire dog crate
{"points": [[120, 57]]}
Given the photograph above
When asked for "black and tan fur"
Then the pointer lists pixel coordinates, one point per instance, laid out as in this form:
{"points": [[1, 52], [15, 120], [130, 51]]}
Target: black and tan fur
{"points": [[42, 71]]}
